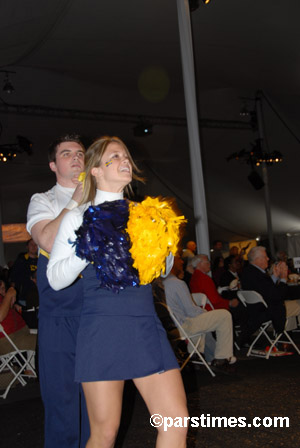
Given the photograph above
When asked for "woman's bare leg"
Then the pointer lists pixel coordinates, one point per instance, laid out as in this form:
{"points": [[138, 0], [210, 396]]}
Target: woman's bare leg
{"points": [[104, 406], [164, 395]]}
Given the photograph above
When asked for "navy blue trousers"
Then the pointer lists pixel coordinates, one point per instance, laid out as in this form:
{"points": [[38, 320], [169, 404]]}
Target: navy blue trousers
{"points": [[66, 420]]}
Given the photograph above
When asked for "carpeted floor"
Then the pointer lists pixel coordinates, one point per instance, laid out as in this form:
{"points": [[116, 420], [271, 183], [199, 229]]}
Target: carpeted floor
{"points": [[259, 388]]}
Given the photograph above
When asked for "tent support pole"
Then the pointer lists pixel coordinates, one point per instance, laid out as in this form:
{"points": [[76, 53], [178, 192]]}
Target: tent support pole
{"points": [[258, 106], [187, 60]]}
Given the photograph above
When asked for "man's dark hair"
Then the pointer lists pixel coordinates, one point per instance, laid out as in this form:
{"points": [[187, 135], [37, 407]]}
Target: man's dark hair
{"points": [[64, 138], [228, 260]]}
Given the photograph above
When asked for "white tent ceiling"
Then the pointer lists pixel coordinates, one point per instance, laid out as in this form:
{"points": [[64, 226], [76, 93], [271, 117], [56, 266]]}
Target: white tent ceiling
{"points": [[123, 58]]}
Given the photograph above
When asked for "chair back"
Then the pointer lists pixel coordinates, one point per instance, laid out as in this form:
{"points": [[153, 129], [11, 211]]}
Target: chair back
{"points": [[250, 298], [199, 299]]}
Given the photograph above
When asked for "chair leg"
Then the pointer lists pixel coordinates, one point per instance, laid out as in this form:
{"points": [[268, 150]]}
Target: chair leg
{"points": [[262, 331], [292, 342], [195, 350]]}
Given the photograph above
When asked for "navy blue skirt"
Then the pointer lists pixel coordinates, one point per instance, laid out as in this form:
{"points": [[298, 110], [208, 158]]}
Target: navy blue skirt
{"points": [[120, 336]]}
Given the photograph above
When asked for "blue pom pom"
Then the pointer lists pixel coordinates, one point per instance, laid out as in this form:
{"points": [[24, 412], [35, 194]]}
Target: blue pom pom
{"points": [[103, 241]]}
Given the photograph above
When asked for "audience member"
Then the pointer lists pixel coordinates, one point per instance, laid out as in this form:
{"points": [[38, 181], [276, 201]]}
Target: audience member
{"points": [[230, 277], [239, 256], [13, 323], [216, 250], [274, 290], [194, 319], [217, 269], [202, 282], [189, 252], [22, 269]]}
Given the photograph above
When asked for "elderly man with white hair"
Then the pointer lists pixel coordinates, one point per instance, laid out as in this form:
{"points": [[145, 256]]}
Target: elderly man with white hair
{"points": [[274, 289]]}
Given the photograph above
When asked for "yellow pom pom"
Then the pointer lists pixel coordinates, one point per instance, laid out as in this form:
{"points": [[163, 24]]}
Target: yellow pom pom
{"points": [[81, 177], [154, 230]]}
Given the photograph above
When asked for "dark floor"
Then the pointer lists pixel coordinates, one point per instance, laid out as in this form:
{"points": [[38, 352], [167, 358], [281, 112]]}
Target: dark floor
{"points": [[260, 388]]}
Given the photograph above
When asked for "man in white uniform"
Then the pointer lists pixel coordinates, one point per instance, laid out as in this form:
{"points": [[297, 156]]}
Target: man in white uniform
{"points": [[59, 310]]}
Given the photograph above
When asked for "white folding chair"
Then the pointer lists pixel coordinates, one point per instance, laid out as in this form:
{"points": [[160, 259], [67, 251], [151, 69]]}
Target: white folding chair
{"points": [[250, 298], [188, 338], [200, 299], [15, 362]]}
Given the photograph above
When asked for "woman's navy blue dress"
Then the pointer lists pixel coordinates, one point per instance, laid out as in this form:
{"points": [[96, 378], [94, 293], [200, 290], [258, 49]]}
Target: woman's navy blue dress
{"points": [[120, 336]]}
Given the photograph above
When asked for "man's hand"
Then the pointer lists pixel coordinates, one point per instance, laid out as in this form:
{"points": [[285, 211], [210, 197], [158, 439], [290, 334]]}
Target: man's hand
{"points": [[77, 195], [233, 303], [280, 270]]}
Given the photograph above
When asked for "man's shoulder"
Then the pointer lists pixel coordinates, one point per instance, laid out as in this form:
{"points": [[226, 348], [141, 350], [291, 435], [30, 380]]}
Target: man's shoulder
{"points": [[46, 195], [172, 280], [251, 269]]}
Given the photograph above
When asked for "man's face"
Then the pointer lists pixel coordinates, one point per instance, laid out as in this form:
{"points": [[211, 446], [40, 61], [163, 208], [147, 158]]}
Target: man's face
{"points": [[262, 260], [32, 248], [69, 163], [191, 245], [204, 265], [233, 266]]}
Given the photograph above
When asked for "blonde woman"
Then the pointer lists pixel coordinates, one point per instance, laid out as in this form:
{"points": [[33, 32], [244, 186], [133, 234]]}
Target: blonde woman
{"points": [[120, 336]]}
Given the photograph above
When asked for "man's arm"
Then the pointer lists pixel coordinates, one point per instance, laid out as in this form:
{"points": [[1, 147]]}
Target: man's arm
{"points": [[186, 300], [8, 301], [44, 232]]}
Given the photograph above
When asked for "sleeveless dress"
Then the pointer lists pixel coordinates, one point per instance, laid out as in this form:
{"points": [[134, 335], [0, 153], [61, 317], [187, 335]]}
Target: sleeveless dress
{"points": [[120, 336]]}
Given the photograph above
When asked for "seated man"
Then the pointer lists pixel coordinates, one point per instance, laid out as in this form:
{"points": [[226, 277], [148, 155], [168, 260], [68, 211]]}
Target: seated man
{"points": [[230, 277], [201, 282], [13, 323], [194, 319], [273, 289]]}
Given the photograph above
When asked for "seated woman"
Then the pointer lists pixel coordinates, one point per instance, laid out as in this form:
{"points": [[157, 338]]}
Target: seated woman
{"points": [[13, 323], [120, 336]]}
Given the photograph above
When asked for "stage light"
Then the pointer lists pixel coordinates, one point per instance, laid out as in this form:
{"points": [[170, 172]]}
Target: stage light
{"points": [[7, 87], [142, 129]]}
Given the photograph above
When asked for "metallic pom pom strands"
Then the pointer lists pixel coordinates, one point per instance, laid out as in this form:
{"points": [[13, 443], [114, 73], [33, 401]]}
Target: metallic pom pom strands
{"points": [[102, 240], [136, 254]]}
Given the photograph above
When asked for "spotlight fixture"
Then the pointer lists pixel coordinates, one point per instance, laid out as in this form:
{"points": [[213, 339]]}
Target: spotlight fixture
{"points": [[244, 112], [25, 145], [194, 4], [9, 152], [142, 129], [7, 87], [255, 180], [256, 156]]}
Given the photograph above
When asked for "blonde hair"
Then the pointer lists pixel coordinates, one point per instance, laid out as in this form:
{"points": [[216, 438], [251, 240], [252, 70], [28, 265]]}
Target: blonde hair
{"points": [[93, 159]]}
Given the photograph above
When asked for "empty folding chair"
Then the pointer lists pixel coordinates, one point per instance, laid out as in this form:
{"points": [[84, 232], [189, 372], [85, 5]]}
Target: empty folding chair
{"points": [[15, 362], [250, 298]]}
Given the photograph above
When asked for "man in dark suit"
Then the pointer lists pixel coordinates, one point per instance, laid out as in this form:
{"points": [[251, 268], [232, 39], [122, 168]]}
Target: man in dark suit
{"points": [[273, 288]]}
